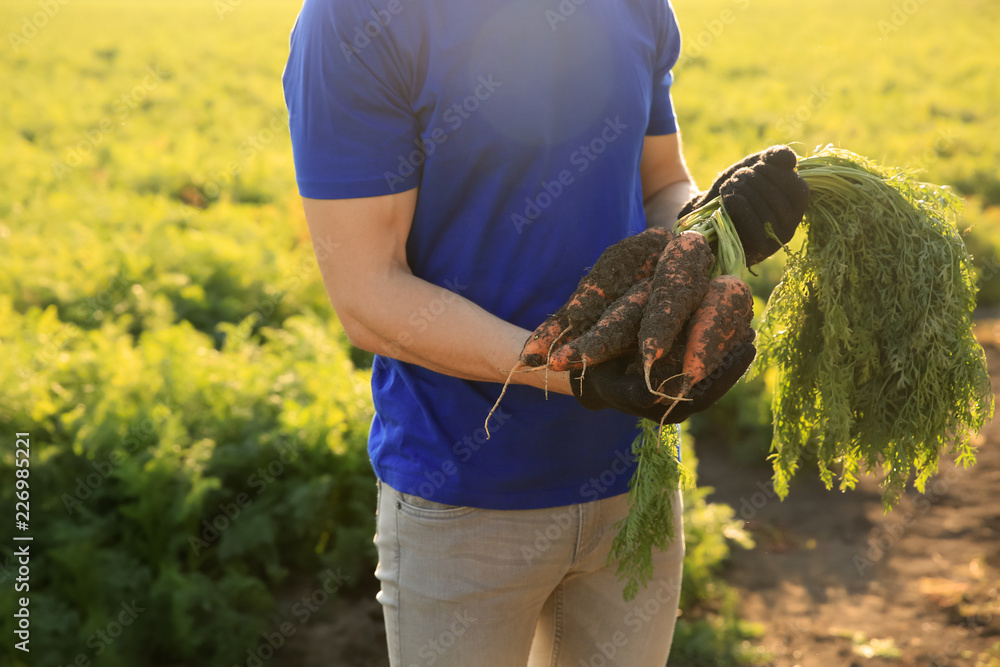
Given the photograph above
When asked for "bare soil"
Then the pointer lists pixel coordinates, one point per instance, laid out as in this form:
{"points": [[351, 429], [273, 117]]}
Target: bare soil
{"points": [[834, 581]]}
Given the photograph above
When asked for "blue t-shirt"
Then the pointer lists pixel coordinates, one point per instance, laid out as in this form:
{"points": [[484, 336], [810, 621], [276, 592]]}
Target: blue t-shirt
{"points": [[522, 123]]}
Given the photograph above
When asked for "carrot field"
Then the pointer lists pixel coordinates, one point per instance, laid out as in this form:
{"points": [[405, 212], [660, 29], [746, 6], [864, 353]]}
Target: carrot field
{"points": [[198, 419]]}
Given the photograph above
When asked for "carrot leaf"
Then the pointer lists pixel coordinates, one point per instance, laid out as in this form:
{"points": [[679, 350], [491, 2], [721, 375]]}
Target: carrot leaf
{"points": [[650, 521]]}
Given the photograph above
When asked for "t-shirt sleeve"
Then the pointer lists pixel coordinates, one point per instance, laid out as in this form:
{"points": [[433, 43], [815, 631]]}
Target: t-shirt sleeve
{"points": [[350, 121], [662, 118]]}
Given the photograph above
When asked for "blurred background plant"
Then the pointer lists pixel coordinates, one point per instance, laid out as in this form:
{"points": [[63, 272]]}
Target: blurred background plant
{"points": [[198, 419]]}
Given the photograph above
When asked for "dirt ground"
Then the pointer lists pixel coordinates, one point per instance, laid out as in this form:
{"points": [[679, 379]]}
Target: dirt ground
{"points": [[836, 581], [833, 580]]}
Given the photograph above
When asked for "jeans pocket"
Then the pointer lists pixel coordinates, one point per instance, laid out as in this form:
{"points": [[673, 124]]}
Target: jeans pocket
{"points": [[417, 506]]}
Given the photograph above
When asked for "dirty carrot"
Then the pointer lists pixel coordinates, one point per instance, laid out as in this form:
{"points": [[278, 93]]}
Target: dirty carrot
{"points": [[613, 335], [617, 269], [536, 348], [722, 319], [679, 284]]}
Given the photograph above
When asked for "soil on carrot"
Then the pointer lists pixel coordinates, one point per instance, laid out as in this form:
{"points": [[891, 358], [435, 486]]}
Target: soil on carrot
{"points": [[615, 334], [536, 348], [620, 266], [679, 285], [833, 580], [614, 274], [721, 322]]}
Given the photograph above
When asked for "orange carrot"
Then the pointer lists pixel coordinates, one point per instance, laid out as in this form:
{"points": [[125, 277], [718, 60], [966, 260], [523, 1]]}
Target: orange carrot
{"points": [[679, 284], [613, 335], [536, 348], [615, 272], [719, 326], [724, 312], [618, 268]]}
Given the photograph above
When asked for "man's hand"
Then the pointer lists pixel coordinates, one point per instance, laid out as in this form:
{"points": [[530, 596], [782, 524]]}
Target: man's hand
{"points": [[759, 189], [608, 385]]}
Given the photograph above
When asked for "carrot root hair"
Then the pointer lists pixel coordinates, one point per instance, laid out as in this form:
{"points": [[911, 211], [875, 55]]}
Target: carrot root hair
{"points": [[660, 393], [583, 372], [521, 367], [663, 419], [546, 366], [516, 369], [649, 385]]}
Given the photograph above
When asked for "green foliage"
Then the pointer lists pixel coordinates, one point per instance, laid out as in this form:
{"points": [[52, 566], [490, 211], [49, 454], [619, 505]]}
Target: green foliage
{"points": [[709, 631], [719, 641], [160, 311], [881, 78], [983, 241], [871, 331], [769, 74], [187, 479], [713, 222], [650, 521]]}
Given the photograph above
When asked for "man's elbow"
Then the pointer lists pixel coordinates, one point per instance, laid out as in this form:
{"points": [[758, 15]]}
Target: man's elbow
{"points": [[361, 336]]}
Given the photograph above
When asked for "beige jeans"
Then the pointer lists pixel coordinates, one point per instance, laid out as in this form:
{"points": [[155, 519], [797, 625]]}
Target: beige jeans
{"points": [[467, 587]]}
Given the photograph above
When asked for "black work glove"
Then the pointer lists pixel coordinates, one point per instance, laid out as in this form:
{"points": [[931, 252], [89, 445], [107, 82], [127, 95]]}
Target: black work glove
{"points": [[608, 385], [760, 188]]}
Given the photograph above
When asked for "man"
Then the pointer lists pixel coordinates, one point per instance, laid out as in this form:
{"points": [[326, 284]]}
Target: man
{"points": [[468, 161]]}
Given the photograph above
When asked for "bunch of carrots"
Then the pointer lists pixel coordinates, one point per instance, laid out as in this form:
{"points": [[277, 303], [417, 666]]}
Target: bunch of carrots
{"points": [[651, 296], [665, 299], [869, 333]]}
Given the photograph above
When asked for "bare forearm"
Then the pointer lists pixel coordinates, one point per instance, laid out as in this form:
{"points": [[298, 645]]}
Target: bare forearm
{"points": [[663, 206], [407, 318]]}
